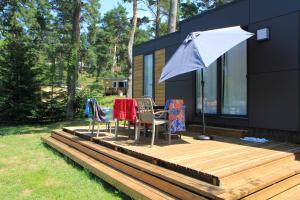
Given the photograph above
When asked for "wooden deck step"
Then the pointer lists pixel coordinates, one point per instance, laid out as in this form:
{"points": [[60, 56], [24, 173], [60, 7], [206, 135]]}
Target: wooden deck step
{"points": [[130, 186], [258, 178], [238, 133], [166, 180], [291, 194], [252, 159], [276, 189], [243, 170]]}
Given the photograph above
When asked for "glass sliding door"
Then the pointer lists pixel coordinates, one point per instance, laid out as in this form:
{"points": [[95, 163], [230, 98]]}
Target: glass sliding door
{"points": [[148, 75], [210, 89], [234, 81]]}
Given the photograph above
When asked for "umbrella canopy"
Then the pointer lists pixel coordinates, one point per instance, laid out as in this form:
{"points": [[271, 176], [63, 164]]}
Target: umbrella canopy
{"points": [[200, 49]]}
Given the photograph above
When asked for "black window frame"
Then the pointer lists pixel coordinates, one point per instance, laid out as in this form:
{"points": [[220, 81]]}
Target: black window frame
{"points": [[220, 92]]}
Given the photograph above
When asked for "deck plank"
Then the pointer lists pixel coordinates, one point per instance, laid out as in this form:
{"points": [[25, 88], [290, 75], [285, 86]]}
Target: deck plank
{"points": [[291, 194], [275, 189]]}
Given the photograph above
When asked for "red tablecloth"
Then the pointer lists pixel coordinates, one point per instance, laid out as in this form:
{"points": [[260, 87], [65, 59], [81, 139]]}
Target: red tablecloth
{"points": [[125, 109]]}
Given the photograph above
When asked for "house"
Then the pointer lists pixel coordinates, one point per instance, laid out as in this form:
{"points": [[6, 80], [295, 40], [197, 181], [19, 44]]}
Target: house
{"points": [[115, 86], [254, 86]]}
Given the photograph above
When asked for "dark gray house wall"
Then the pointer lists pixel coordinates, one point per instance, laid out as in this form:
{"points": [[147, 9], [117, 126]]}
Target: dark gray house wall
{"points": [[273, 74], [273, 65]]}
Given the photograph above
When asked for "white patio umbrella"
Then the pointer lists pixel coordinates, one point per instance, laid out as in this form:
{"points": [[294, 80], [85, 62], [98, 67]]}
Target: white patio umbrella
{"points": [[199, 50]]}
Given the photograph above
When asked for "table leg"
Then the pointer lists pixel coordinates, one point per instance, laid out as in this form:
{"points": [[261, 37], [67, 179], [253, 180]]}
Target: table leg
{"points": [[116, 128]]}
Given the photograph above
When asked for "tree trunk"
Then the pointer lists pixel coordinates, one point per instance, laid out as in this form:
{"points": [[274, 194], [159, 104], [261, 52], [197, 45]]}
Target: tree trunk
{"points": [[172, 16], [61, 69], [98, 72], [73, 61], [157, 19], [114, 59], [130, 46]]}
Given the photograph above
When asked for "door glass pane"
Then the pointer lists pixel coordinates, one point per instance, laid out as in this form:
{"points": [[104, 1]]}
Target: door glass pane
{"points": [[234, 81], [148, 75], [210, 89]]}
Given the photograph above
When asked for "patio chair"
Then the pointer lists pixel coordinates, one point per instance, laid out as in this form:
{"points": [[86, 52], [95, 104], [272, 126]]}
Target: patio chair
{"points": [[99, 115], [162, 116], [146, 96], [176, 117], [146, 115]]}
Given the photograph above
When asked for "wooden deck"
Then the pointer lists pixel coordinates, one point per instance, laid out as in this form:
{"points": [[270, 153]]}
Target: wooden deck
{"points": [[223, 168]]}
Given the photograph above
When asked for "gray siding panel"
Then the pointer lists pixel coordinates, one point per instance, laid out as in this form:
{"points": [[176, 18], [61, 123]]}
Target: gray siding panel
{"points": [[264, 9], [183, 90], [281, 51], [274, 100], [236, 14], [156, 44]]}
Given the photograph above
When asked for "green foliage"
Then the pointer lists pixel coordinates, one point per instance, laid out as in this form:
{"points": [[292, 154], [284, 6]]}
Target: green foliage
{"points": [[193, 7], [141, 36], [188, 9], [38, 52], [54, 105], [115, 27], [20, 62]]}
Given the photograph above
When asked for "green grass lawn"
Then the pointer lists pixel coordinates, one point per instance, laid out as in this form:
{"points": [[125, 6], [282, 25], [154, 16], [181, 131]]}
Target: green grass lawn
{"points": [[30, 169]]}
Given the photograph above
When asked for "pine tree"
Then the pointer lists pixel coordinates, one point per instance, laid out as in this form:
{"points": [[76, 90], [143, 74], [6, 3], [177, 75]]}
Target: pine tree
{"points": [[73, 60], [20, 62]]}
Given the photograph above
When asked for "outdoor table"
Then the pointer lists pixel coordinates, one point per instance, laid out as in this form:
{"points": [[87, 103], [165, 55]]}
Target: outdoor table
{"points": [[124, 110]]}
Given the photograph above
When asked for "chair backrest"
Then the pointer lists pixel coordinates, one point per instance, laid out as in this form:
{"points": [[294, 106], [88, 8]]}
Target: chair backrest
{"points": [[145, 110], [108, 114], [153, 103], [99, 113], [176, 117]]}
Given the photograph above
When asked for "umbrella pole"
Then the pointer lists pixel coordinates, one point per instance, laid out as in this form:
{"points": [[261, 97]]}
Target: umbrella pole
{"points": [[203, 136], [202, 103]]}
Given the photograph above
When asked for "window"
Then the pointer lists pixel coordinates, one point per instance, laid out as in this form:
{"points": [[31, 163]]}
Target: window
{"points": [[114, 84], [234, 81], [148, 75], [210, 89], [121, 84]]}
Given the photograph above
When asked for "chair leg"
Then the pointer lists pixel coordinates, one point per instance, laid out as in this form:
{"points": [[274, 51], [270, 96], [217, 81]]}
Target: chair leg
{"points": [[98, 129], [116, 128], [90, 125], [109, 126], [153, 134], [93, 126], [139, 131], [156, 132], [136, 130]]}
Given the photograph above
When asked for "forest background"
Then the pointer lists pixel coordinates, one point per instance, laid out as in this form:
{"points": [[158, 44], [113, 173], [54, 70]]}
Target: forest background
{"points": [[54, 53]]}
